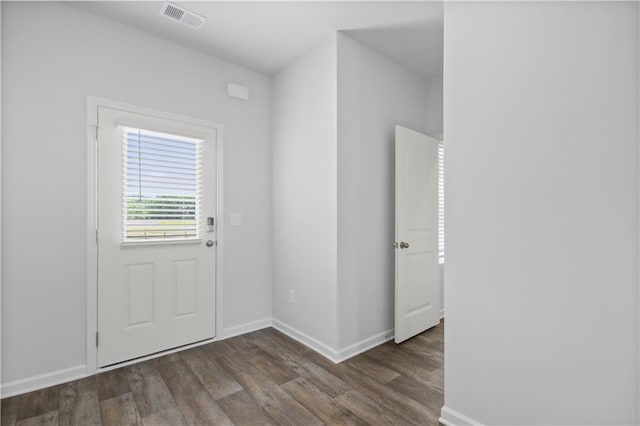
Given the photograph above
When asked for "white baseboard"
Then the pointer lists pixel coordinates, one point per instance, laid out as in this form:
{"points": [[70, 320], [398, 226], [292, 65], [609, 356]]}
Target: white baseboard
{"points": [[323, 349], [449, 417], [364, 345], [334, 355], [441, 313], [245, 328], [41, 381]]}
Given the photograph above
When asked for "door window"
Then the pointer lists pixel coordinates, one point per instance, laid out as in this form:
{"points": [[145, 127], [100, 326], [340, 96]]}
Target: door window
{"points": [[161, 188]]}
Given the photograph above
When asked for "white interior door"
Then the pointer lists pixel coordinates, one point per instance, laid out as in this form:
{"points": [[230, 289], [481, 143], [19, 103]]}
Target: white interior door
{"points": [[417, 273], [156, 249]]}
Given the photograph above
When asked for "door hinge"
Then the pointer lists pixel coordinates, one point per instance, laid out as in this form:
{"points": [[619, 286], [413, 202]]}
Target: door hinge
{"points": [[96, 338], [97, 236], [97, 128]]}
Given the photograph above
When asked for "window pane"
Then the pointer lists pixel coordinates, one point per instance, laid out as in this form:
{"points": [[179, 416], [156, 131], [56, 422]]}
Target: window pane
{"points": [[161, 186]]}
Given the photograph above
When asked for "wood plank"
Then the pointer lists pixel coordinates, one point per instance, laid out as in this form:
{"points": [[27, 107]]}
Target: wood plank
{"points": [[416, 367], [47, 419], [429, 396], [37, 403], [169, 417], [373, 368], [239, 344], [215, 379], [255, 334], [367, 409], [433, 338], [244, 410], [435, 379], [286, 341], [280, 405], [79, 404], [320, 404], [120, 410], [418, 346], [148, 389], [218, 349], [303, 366], [384, 397], [433, 350], [323, 378], [112, 383], [9, 410], [175, 356], [273, 368], [193, 400]]}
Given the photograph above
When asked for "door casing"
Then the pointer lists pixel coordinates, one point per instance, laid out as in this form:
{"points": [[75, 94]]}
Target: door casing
{"points": [[92, 211]]}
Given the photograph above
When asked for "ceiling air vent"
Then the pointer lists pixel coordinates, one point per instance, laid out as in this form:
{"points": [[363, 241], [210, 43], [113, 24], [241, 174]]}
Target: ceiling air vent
{"points": [[180, 14]]}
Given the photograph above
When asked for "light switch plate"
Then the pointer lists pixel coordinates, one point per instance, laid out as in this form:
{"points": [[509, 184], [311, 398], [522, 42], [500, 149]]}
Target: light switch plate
{"points": [[235, 219]]}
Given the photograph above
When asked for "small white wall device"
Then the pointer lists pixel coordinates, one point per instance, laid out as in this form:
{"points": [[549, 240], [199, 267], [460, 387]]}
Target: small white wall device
{"points": [[238, 91]]}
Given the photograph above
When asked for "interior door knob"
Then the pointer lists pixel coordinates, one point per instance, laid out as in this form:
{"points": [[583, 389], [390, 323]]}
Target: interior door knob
{"points": [[210, 243], [404, 245]]}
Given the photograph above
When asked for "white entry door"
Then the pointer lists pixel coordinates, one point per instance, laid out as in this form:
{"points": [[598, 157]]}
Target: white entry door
{"points": [[417, 274], [156, 246]]}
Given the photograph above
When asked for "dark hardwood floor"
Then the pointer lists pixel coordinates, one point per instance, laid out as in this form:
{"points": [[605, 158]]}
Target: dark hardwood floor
{"points": [[259, 378]]}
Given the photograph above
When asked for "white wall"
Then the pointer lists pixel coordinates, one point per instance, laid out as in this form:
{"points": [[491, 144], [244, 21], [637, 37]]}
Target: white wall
{"points": [[337, 206], [434, 106], [374, 95], [434, 128], [54, 56], [304, 194], [541, 129]]}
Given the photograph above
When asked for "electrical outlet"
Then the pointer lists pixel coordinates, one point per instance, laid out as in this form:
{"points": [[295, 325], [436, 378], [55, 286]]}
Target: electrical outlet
{"points": [[292, 296]]}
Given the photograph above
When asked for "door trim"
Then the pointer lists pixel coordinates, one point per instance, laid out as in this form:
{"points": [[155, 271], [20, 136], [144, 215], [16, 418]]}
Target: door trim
{"points": [[93, 103]]}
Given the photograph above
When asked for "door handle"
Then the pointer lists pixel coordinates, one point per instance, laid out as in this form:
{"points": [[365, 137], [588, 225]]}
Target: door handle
{"points": [[404, 245], [210, 243]]}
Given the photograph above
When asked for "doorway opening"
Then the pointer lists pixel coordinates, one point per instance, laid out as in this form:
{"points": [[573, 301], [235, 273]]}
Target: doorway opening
{"points": [[154, 265]]}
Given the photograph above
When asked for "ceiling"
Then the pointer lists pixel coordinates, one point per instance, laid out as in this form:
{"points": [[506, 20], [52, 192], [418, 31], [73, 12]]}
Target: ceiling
{"points": [[266, 36]]}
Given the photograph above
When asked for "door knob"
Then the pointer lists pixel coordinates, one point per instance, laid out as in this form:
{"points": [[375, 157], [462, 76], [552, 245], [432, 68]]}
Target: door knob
{"points": [[404, 245], [210, 243]]}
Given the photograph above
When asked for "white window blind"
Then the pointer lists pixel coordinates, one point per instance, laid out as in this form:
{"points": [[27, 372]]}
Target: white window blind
{"points": [[161, 186], [441, 202]]}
